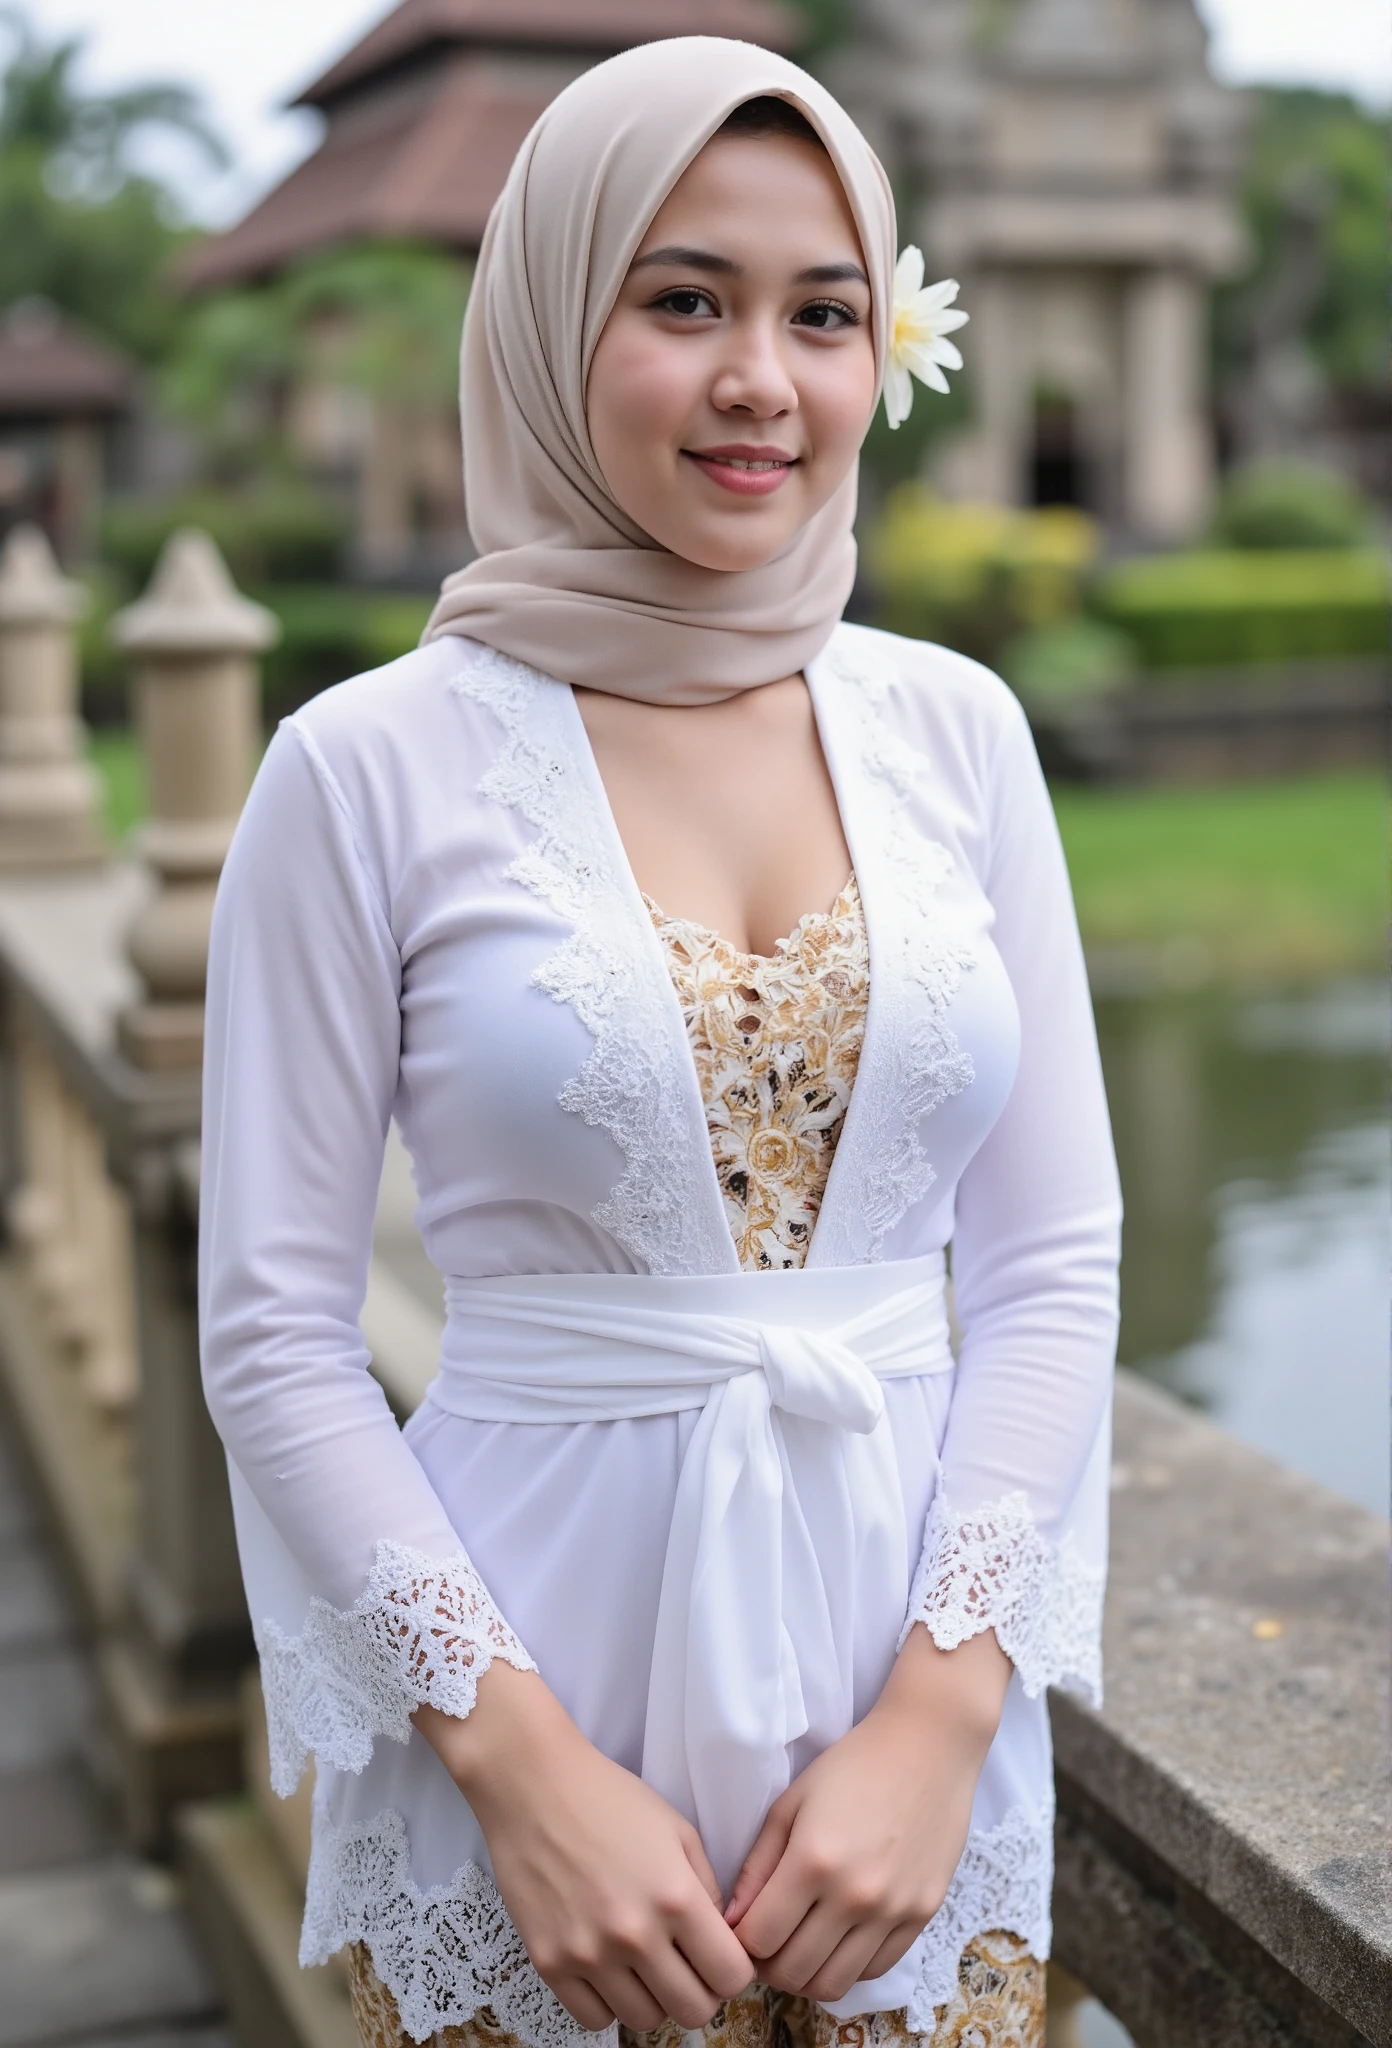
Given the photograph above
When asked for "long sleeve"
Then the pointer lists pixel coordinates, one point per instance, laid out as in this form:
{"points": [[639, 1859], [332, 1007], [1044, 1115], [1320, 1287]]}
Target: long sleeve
{"points": [[363, 1603], [1017, 1535]]}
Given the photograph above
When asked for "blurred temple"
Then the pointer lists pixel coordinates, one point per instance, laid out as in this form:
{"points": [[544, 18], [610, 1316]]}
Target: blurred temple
{"points": [[424, 117], [61, 392], [1074, 164]]}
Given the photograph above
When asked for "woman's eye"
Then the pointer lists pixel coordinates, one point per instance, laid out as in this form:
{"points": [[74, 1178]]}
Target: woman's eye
{"points": [[826, 316], [685, 302]]}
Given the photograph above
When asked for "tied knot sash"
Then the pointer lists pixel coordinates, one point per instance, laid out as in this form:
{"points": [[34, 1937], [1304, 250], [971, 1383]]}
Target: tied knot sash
{"points": [[786, 1575]]}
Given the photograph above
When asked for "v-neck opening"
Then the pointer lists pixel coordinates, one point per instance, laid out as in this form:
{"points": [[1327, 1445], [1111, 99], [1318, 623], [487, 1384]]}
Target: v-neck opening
{"points": [[628, 882], [781, 946]]}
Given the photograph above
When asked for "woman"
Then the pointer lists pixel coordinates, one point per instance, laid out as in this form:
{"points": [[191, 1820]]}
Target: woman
{"points": [[717, 963]]}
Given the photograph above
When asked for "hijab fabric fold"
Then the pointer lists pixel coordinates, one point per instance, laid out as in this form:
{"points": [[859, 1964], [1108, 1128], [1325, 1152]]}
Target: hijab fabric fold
{"points": [[564, 580]]}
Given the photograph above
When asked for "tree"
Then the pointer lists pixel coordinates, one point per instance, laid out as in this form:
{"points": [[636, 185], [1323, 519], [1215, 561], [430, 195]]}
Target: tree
{"points": [[382, 319], [79, 224], [1317, 168]]}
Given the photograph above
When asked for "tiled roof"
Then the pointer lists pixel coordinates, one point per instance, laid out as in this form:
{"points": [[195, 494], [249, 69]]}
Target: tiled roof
{"points": [[425, 166], [421, 153], [51, 369], [570, 24]]}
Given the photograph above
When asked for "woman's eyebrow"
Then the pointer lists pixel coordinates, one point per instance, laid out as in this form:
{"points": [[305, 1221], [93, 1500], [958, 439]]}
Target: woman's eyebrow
{"points": [[832, 273], [725, 266], [689, 259]]}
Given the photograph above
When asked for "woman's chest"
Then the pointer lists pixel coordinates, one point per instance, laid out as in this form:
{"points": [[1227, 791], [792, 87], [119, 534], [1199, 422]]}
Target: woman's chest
{"points": [[546, 1045]]}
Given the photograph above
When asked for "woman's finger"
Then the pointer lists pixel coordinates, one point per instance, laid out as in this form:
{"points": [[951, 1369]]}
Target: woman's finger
{"points": [[696, 1856], [717, 1955], [628, 1996], [583, 2003], [788, 1895], [761, 1862], [893, 1949], [817, 1935], [848, 1962], [682, 1994]]}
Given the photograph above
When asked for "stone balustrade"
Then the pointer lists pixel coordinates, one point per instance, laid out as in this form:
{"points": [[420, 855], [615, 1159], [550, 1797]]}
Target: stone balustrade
{"points": [[1222, 1832]]}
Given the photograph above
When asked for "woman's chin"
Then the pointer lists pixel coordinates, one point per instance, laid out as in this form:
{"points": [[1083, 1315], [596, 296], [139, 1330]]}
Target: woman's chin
{"points": [[741, 550]]}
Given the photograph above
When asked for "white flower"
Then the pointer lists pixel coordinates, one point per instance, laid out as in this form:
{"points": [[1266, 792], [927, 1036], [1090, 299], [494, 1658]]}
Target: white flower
{"points": [[921, 320]]}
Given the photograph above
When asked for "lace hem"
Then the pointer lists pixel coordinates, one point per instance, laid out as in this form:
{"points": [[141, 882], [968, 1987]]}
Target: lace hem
{"points": [[930, 1067], [423, 1631], [1004, 1881], [637, 1082], [993, 1569], [445, 1953]]}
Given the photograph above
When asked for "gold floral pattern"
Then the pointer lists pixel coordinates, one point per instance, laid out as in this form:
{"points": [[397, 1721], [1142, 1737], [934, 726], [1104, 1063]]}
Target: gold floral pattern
{"points": [[999, 2003], [776, 1040]]}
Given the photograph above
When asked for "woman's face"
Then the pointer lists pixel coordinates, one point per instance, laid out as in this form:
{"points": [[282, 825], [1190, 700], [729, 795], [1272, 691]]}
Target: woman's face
{"points": [[734, 380]]}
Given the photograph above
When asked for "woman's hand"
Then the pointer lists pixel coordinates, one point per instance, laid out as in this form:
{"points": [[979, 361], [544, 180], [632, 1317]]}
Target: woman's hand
{"points": [[608, 1887], [856, 1857]]}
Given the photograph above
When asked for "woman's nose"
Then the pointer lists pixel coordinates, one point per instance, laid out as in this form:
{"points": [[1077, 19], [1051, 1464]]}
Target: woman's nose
{"points": [[754, 377]]}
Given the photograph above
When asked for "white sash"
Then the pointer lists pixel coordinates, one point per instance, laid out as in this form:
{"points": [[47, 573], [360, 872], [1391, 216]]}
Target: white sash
{"points": [[788, 1552]]}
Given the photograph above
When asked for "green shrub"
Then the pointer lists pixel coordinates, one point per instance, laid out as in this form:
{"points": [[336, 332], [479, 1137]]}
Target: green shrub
{"points": [[1233, 605], [333, 631], [1286, 504], [328, 632], [973, 575], [1068, 662], [281, 531]]}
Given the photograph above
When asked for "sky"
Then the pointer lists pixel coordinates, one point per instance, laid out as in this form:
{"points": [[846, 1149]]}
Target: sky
{"points": [[248, 57]]}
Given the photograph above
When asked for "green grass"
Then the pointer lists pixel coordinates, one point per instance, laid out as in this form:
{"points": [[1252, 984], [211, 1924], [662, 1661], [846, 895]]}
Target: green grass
{"points": [[1241, 882], [121, 766]]}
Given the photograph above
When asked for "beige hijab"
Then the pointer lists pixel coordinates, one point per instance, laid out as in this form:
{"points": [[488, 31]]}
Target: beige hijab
{"points": [[564, 579]]}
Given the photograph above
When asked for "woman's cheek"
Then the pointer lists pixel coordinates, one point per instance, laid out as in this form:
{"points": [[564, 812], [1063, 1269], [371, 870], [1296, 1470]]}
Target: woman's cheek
{"points": [[650, 379]]}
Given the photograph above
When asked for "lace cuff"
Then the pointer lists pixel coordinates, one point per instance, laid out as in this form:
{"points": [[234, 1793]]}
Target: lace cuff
{"points": [[993, 1569], [423, 1632]]}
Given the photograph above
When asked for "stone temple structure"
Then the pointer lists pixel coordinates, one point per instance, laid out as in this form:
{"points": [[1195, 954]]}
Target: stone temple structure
{"points": [[1074, 164]]}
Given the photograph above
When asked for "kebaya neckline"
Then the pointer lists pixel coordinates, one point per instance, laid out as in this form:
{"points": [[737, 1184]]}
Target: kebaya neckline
{"points": [[781, 947]]}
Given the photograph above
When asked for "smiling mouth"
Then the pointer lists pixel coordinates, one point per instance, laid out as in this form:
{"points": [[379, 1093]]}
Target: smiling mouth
{"points": [[750, 475]]}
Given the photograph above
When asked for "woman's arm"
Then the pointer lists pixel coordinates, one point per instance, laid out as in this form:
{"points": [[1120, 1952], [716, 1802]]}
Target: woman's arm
{"points": [[368, 1612], [362, 1599], [857, 1855]]}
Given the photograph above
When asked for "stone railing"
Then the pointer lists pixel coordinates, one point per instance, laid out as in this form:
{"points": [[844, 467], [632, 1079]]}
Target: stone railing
{"points": [[1222, 1821]]}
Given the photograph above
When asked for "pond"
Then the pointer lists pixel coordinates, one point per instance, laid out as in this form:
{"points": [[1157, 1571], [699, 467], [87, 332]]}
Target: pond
{"points": [[1252, 1137], [1253, 1143]]}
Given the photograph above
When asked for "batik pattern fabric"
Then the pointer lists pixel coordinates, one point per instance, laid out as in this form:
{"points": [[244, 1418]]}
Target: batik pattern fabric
{"points": [[776, 1042], [998, 2003]]}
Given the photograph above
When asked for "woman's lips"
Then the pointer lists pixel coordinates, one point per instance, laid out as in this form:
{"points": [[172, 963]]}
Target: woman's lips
{"points": [[749, 472]]}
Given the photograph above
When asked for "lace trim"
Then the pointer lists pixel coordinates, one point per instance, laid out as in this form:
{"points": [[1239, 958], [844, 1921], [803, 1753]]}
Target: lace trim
{"points": [[423, 1631], [1004, 1880], [445, 1953], [927, 1066], [993, 1569], [637, 1083]]}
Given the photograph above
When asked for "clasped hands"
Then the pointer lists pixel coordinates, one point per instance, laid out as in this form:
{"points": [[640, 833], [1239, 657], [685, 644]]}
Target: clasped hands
{"points": [[612, 1892]]}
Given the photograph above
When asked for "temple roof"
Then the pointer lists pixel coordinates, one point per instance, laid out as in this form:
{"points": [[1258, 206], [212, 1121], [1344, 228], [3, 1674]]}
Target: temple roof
{"points": [[51, 369], [593, 25], [427, 112]]}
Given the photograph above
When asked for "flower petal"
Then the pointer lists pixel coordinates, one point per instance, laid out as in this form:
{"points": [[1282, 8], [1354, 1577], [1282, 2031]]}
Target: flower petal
{"points": [[934, 297], [898, 394], [908, 274], [924, 366]]}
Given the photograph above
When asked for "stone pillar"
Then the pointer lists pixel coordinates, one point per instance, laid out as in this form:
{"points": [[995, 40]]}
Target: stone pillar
{"points": [[194, 640], [1168, 456], [170, 1674], [50, 795], [989, 460]]}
